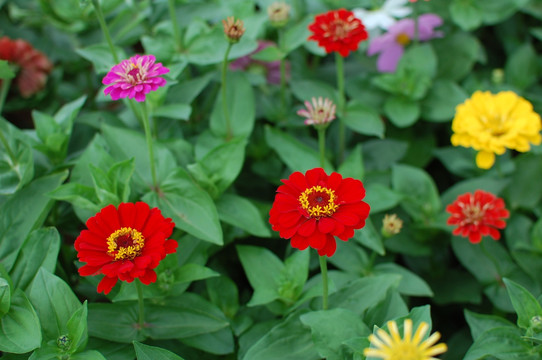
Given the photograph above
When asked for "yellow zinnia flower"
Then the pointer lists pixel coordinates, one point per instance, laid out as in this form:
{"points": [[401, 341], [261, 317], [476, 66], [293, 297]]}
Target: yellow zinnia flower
{"points": [[394, 347], [492, 123]]}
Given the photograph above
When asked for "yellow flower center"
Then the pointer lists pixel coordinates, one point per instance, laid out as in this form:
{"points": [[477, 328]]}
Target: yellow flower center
{"points": [[406, 351], [318, 201], [403, 39], [125, 243]]}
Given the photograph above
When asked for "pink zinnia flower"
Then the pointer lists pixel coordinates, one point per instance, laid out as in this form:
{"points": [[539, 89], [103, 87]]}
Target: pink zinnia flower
{"points": [[391, 45], [134, 78], [322, 111]]}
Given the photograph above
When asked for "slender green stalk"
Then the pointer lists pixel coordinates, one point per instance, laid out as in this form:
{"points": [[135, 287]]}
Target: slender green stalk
{"points": [[148, 137], [224, 94], [322, 145], [339, 62], [105, 30], [415, 15], [282, 77], [141, 307], [323, 269], [175, 24], [3, 94]]}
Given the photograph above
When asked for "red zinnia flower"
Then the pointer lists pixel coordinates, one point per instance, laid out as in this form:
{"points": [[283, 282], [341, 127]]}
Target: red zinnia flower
{"points": [[312, 209], [124, 244], [338, 30], [33, 65], [478, 215]]}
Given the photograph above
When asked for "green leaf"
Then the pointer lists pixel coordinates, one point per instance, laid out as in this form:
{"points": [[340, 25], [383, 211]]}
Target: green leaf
{"points": [[521, 69], [54, 302], [466, 14], [20, 326], [363, 119], [330, 328], [480, 323], [218, 342], [100, 56], [520, 195], [238, 211], [77, 329], [147, 352], [420, 59], [270, 53], [353, 166], [305, 90], [457, 54], [39, 250], [504, 342], [524, 303], [224, 294], [17, 162], [296, 35], [185, 315], [364, 293], [411, 284], [401, 111], [289, 340], [6, 72], [23, 212], [370, 237], [440, 103], [241, 108], [190, 207], [296, 155], [263, 269], [122, 330], [420, 194], [173, 111], [5, 296], [88, 355], [381, 198]]}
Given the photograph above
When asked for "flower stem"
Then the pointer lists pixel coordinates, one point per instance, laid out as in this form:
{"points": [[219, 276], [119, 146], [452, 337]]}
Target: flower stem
{"points": [[322, 145], [148, 138], [339, 61], [416, 23], [323, 269], [175, 24], [141, 308], [105, 30], [224, 97], [282, 78]]}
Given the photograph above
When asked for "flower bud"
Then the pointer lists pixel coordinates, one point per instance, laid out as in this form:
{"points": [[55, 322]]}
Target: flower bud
{"points": [[63, 342], [233, 29], [497, 76], [536, 323], [278, 13], [391, 225]]}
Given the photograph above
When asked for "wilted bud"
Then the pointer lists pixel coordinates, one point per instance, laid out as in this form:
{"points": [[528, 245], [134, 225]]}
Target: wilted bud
{"points": [[391, 225], [233, 29], [63, 342], [279, 13]]}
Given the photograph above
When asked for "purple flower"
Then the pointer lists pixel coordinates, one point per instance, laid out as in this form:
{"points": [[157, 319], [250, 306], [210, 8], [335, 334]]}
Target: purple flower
{"points": [[134, 78], [271, 68], [391, 45]]}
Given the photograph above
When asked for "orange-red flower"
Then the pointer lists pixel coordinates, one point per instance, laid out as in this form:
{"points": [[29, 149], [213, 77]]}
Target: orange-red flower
{"points": [[33, 65], [124, 244], [338, 30], [313, 208], [477, 215]]}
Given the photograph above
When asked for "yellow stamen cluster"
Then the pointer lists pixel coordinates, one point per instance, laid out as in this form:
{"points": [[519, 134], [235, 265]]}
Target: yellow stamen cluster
{"points": [[129, 252], [318, 211]]}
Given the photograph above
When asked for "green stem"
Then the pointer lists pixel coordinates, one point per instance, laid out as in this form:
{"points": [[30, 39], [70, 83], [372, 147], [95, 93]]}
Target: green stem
{"points": [[224, 97], [416, 25], [322, 145], [3, 94], [148, 138], [323, 269], [339, 61], [282, 78], [105, 30], [175, 24], [141, 318]]}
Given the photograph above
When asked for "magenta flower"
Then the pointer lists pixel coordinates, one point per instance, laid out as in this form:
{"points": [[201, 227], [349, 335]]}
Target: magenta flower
{"points": [[391, 45], [134, 78], [271, 68]]}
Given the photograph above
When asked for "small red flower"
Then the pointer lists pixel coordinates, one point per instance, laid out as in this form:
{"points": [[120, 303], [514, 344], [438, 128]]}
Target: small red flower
{"points": [[338, 30], [478, 215], [124, 244], [33, 65], [312, 209]]}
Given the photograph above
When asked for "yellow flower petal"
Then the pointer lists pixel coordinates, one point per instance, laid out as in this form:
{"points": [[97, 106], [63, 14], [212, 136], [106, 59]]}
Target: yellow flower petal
{"points": [[485, 159]]}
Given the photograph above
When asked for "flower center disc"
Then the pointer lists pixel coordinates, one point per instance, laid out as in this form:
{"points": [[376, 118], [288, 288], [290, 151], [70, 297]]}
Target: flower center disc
{"points": [[403, 39], [125, 243], [318, 201], [406, 351]]}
